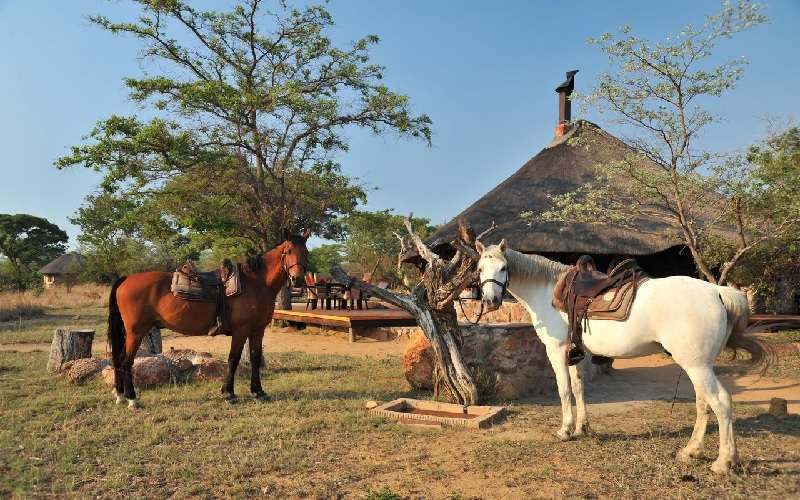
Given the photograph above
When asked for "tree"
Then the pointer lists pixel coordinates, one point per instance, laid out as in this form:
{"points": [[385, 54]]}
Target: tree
{"points": [[431, 302], [28, 242], [249, 112], [371, 240], [657, 91], [323, 257]]}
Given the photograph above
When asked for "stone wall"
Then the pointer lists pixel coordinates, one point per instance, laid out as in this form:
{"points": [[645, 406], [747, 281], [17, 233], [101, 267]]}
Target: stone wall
{"points": [[509, 312], [512, 354]]}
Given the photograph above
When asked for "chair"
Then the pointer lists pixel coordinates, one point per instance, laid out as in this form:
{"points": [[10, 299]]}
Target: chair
{"points": [[312, 297]]}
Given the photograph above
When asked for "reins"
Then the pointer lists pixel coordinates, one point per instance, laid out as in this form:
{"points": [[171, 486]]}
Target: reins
{"points": [[503, 286]]}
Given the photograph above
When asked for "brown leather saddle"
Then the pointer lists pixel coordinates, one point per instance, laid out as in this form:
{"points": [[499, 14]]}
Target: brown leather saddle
{"points": [[585, 293], [212, 286]]}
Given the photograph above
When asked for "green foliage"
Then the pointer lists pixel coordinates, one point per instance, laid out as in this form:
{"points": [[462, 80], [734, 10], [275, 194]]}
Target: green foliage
{"points": [[657, 91], [322, 258], [371, 244], [27, 242], [250, 109]]}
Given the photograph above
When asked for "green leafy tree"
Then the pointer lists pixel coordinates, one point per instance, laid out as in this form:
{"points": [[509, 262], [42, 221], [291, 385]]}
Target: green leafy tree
{"points": [[28, 242], [250, 110], [372, 241], [657, 91], [322, 258]]}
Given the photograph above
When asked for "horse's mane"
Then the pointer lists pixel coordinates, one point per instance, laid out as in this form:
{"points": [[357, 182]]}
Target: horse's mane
{"points": [[533, 267], [254, 262]]}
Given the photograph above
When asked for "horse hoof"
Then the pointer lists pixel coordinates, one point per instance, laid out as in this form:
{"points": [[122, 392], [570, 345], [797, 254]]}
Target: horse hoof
{"points": [[687, 456], [583, 430], [118, 398], [563, 435], [262, 396], [721, 466], [134, 404]]}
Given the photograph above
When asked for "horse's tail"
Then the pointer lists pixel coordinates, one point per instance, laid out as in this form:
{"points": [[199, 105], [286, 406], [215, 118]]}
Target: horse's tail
{"points": [[116, 327], [740, 336]]}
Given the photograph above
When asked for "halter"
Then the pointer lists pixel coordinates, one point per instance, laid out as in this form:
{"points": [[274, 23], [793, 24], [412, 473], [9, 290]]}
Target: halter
{"points": [[286, 268], [503, 286]]}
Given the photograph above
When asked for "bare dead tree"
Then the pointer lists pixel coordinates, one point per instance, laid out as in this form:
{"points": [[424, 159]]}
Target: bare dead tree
{"points": [[431, 303]]}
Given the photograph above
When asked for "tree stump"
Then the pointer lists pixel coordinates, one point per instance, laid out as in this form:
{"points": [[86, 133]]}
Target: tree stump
{"points": [[244, 362], [151, 344], [68, 345]]}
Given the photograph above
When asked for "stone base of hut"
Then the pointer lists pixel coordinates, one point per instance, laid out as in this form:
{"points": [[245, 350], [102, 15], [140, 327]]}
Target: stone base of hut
{"points": [[510, 355]]}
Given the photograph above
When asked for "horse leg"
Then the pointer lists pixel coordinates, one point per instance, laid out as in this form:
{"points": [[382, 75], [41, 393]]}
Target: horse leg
{"points": [[582, 420], [237, 344], [557, 355], [256, 353], [132, 342], [708, 387], [694, 448]]}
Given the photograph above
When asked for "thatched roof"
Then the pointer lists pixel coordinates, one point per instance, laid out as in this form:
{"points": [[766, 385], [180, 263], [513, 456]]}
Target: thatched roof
{"points": [[69, 263], [564, 165]]}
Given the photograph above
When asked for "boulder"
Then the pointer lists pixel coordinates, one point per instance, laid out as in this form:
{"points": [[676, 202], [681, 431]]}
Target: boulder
{"points": [[418, 362]]}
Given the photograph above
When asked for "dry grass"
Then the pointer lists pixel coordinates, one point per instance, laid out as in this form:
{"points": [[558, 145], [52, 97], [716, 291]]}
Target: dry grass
{"points": [[314, 440], [20, 306]]}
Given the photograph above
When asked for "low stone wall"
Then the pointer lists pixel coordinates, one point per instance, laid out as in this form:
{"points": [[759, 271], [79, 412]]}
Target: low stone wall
{"points": [[509, 312], [511, 353]]}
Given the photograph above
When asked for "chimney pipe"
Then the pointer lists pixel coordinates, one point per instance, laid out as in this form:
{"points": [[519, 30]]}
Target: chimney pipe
{"points": [[564, 104]]}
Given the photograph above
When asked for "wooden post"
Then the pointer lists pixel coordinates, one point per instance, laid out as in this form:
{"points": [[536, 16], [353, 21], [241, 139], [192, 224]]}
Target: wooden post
{"points": [[68, 345], [351, 334]]}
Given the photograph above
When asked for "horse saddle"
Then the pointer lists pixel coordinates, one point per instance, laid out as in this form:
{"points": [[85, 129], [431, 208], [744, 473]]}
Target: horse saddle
{"points": [[585, 293], [190, 284]]}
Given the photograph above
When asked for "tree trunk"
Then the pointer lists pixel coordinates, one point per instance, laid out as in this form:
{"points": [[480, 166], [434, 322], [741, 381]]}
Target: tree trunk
{"points": [[68, 345], [244, 362], [151, 344], [284, 299]]}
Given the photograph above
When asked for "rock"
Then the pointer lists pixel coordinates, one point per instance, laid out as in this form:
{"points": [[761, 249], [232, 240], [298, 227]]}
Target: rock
{"points": [[76, 317], [418, 362], [371, 404], [778, 407], [80, 370], [210, 369], [152, 370]]}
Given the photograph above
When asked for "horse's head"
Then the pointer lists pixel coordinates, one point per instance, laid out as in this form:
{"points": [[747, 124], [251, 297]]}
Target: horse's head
{"points": [[294, 254], [493, 274]]}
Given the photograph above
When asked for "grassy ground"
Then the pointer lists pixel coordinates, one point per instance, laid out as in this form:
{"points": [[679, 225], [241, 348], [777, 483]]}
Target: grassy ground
{"points": [[315, 440]]}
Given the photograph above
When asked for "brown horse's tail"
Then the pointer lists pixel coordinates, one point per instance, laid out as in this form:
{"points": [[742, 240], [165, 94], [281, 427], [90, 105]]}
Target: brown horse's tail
{"points": [[116, 328]]}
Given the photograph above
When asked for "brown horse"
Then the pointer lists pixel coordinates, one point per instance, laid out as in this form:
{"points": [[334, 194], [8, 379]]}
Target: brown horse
{"points": [[142, 301]]}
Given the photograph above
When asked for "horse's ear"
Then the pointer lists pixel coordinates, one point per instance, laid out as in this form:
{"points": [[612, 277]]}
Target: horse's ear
{"points": [[306, 234], [285, 235], [503, 245], [479, 246]]}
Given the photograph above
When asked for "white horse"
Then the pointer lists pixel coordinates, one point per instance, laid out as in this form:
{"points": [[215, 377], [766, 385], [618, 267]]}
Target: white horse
{"points": [[693, 320]]}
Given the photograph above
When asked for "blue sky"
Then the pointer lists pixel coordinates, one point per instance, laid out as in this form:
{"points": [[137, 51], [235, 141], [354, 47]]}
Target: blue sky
{"points": [[483, 71]]}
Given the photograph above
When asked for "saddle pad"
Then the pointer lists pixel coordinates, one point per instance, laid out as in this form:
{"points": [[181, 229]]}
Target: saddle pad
{"points": [[233, 285]]}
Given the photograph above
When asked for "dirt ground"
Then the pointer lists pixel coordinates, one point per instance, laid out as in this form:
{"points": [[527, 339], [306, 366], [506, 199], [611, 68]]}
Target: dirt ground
{"points": [[633, 381]]}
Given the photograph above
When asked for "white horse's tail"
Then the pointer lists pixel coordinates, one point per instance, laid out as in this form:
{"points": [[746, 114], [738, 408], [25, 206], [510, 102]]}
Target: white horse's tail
{"points": [[740, 336]]}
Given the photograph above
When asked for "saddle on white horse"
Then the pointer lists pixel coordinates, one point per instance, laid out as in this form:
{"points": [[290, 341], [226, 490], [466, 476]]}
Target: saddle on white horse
{"points": [[585, 293]]}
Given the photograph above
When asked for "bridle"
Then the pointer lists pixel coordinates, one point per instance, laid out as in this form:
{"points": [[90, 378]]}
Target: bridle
{"points": [[503, 287], [287, 268]]}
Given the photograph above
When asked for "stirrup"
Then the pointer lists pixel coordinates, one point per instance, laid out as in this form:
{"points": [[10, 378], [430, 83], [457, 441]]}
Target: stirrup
{"points": [[575, 355]]}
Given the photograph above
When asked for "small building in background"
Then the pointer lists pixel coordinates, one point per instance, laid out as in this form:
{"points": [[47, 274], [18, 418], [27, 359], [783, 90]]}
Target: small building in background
{"points": [[63, 271]]}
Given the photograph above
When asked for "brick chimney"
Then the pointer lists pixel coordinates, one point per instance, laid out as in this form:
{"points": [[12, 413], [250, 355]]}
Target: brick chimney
{"points": [[564, 104]]}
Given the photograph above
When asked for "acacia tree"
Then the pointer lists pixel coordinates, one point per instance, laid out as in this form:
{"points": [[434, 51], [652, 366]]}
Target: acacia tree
{"points": [[27, 241], [658, 92], [250, 109]]}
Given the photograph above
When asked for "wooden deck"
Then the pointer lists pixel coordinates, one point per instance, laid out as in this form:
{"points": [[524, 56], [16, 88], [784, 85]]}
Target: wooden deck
{"points": [[350, 321]]}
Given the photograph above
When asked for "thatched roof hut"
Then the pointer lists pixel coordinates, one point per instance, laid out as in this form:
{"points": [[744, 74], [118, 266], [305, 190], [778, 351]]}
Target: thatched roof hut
{"points": [[565, 164], [62, 269]]}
